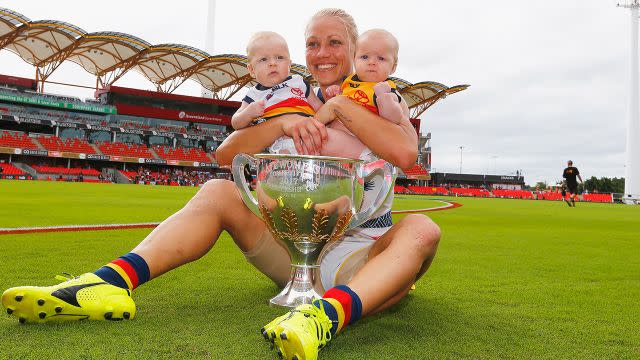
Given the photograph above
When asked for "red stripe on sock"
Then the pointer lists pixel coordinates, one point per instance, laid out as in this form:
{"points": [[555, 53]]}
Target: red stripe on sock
{"points": [[344, 299], [131, 272]]}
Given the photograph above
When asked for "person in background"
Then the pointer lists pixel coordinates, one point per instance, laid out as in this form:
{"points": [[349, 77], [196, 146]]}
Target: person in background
{"points": [[570, 174]]}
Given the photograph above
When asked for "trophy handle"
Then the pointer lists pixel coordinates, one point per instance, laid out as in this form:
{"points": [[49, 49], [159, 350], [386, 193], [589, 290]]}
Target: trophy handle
{"points": [[378, 170], [237, 169]]}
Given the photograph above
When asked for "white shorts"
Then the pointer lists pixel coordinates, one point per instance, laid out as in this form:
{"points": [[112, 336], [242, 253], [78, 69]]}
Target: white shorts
{"points": [[283, 145], [342, 259]]}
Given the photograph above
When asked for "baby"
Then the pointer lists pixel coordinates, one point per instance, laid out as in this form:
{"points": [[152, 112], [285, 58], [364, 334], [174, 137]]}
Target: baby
{"points": [[277, 93], [376, 59], [281, 94]]}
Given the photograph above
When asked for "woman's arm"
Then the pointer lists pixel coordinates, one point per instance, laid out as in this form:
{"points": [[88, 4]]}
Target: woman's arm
{"points": [[307, 134], [395, 143]]}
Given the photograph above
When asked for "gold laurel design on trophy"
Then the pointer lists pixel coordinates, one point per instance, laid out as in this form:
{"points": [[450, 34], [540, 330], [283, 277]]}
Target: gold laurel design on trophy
{"points": [[318, 225], [341, 226], [290, 220], [268, 220]]}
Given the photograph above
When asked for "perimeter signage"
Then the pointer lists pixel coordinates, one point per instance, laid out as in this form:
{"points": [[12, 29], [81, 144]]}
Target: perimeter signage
{"points": [[42, 101]]}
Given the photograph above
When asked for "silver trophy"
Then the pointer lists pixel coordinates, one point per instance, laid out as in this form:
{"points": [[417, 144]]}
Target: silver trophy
{"points": [[307, 202]]}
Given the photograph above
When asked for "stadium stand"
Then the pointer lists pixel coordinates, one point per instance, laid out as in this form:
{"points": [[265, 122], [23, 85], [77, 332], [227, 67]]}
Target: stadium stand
{"points": [[121, 149], [416, 170], [185, 154], [65, 171], [10, 169], [550, 195], [17, 140], [170, 177], [513, 194], [601, 198], [397, 189], [429, 190], [474, 192], [54, 143]]}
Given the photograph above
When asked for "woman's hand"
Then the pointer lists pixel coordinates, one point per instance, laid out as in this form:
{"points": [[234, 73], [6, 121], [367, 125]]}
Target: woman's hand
{"points": [[307, 133], [332, 91]]}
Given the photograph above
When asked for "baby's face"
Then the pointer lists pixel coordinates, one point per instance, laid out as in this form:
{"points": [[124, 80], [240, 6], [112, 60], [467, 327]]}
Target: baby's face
{"points": [[270, 62], [375, 57]]}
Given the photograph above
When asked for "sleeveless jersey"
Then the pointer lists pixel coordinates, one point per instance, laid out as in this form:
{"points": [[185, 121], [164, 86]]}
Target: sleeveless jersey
{"points": [[287, 97], [361, 92]]}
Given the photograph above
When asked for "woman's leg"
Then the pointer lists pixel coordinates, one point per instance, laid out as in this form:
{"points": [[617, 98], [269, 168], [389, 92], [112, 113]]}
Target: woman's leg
{"points": [[395, 262], [190, 233], [183, 237]]}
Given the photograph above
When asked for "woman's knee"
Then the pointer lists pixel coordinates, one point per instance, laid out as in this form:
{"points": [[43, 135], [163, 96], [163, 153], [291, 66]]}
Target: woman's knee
{"points": [[213, 196], [425, 234], [216, 187]]}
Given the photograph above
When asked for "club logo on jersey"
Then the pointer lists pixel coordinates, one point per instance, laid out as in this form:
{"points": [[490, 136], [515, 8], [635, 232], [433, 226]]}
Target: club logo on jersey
{"points": [[361, 97], [297, 92], [269, 96], [354, 85]]}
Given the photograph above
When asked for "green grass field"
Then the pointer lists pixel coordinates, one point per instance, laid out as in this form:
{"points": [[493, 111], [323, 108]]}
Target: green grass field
{"points": [[512, 279]]}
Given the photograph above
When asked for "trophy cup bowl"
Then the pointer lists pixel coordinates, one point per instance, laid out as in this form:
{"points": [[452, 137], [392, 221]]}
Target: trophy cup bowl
{"points": [[307, 202]]}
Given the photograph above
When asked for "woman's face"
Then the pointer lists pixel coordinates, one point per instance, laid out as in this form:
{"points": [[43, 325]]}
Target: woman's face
{"points": [[329, 52]]}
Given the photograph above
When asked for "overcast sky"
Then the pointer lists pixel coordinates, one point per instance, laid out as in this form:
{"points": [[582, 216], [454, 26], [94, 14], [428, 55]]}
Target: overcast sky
{"points": [[549, 78]]}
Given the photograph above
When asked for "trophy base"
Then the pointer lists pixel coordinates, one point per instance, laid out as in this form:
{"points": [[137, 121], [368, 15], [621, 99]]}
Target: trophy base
{"points": [[303, 287]]}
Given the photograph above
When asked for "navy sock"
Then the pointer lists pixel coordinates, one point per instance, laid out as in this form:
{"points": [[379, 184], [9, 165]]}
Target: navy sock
{"points": [[128, 271]]}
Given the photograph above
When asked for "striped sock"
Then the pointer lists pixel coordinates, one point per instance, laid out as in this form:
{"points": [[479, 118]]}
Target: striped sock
{"points": [[342, 306], [128, 271]]}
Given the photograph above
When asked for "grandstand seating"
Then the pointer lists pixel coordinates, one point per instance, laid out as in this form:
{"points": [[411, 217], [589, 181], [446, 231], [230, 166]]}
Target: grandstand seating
{"points": [[121, 149], [173, 128], [17, 140], [513, 194], [54, 143], [416, 170], [184, 154], [429, 190], [397, 189], [152, 174], [550, 195], [129, 174], [65, 171], [10, 169], [475, 192], [603, 198]]}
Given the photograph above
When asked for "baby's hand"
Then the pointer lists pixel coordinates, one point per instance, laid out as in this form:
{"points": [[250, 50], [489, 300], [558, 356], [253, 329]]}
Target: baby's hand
{"points": [[332, 91], [255, 109], [381, 88], [389, 107]]}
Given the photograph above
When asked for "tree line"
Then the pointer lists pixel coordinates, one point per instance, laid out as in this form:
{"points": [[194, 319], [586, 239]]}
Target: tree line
{"points": [[593, 184]]}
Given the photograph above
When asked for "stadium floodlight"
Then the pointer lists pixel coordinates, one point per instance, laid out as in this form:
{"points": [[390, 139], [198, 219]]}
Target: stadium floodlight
{"points": [[209, 43], [632, 164]]}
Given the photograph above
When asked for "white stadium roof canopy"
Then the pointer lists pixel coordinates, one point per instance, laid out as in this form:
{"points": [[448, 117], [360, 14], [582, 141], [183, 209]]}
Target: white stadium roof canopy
{"points": [[45, 44]]}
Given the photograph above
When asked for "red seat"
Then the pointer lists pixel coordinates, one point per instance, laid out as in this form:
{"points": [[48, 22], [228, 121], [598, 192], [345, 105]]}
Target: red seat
{"points": [[10, 169]]}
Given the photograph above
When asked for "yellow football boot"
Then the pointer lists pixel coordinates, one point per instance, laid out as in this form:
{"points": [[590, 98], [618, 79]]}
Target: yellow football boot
{"points": [[299, 334], [86, 297]]}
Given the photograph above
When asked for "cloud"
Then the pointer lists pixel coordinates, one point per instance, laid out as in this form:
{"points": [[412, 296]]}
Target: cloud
{"points": [[549, 79]]}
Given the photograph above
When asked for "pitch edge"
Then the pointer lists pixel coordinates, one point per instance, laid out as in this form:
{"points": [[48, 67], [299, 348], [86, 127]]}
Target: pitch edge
{"points": [[29, 230], [448, 205]]}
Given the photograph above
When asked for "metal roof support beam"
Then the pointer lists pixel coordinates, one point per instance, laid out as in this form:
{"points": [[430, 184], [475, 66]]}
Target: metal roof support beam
{"points": [[47, 66], [111, 74], [9, 37], [231, 89]]}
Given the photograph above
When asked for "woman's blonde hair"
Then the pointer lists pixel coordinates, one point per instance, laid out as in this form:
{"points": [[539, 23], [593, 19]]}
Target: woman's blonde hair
{"points": [[347, 20]]}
